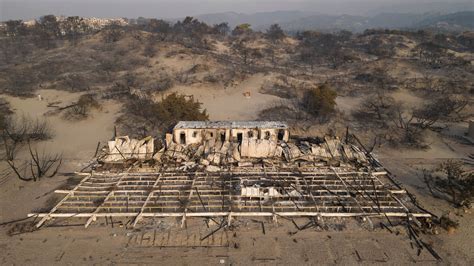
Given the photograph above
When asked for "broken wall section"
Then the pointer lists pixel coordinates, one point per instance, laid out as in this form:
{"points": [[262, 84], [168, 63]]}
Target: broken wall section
{"points": [[260, 148], [123, 148]]}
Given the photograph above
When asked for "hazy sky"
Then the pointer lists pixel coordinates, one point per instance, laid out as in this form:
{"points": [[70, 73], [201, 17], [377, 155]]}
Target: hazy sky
{"points": [[28, 9]]}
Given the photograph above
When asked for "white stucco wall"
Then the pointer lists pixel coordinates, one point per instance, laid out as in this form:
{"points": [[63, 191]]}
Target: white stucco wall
{"points": [[192, 136], [198, 135]]}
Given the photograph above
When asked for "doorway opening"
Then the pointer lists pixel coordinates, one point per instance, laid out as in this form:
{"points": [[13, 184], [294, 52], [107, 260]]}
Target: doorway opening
{"points": [[281, 134], [239, 137]]}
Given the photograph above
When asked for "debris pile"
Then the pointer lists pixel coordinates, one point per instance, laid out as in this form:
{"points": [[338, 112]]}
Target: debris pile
{"points": [[124, 148], [218, 153]]}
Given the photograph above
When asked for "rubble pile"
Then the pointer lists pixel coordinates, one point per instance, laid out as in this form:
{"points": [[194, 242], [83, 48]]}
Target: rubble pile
{"points": [[123, 148], [221, 153], [215, 144]]}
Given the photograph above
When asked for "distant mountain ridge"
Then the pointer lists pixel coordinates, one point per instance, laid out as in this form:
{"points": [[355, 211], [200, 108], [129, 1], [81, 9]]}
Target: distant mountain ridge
{"points": [[255, 19], [300, 20], [458, 19]]}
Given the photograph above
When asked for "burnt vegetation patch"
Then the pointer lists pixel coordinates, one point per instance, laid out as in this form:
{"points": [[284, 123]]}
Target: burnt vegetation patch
{"points": [[143, 117], [139, 61]]}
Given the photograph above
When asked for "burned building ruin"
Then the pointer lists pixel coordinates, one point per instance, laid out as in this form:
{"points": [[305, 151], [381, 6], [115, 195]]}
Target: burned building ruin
{"points": [[235, 169], [192, 132]]}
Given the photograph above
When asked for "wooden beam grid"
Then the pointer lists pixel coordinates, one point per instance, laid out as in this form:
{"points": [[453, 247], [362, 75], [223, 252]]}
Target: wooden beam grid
{"points": [[208, 197], [329, 190], [323, 178], [236, 214], [198, 207], [246, 209], [209, 200], [111, 193], [147, 200]]}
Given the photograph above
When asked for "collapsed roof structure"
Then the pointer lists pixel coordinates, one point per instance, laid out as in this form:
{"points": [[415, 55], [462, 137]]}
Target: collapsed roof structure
{"points": [[235, 169]]}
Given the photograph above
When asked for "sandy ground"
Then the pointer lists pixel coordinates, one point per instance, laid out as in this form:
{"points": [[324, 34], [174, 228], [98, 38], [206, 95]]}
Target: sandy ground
{"points": [[221, 47], [439, 148], [230, 103], [456, 245], [407, 98], [165, 242], [76, 140], [407, 165], [247, 244], [102, 244], [347, 104]]}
